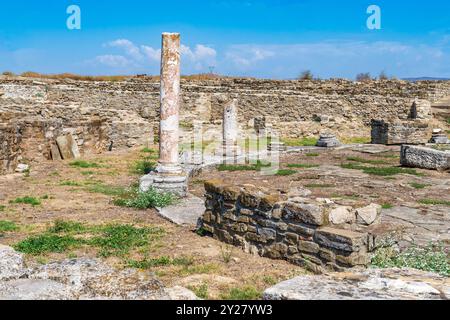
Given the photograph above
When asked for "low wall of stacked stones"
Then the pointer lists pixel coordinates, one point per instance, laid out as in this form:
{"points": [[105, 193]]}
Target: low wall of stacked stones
{"points": [[300, 232]]}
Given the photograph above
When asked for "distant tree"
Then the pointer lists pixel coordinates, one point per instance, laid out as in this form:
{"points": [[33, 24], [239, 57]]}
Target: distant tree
{"points": [[8, 73], [363, 77], [383, 76], [306, 75]]}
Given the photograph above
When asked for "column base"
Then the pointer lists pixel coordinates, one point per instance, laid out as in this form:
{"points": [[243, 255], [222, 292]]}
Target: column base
{"points": [[165, 183]]}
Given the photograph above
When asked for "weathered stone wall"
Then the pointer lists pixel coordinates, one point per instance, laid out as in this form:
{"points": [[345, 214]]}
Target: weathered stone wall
{"points": [[400, 132], [127, 112], [306, 232]]}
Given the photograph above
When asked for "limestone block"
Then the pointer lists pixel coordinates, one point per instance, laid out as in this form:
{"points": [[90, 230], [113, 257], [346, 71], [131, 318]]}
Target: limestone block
{"points": [[368, 215], [425, 158], [340, 239], [341, 215], [307, 213]]}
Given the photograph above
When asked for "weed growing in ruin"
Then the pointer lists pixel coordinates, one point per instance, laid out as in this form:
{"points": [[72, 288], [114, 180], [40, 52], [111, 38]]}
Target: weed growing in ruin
{"points": [[118, 240], [160, 262], [61, 226], [285, 172], [381, 171], [313, 154], [227, 252], [106, 190], [432, 258], [47, 243], [145, 200], [302, 142], [435, 202], [362, 160], [2, 208], [302, 165], [144, 166], [418, 185], [70, 184], [7, 226], [27, 200], [245, 293], [387, 206], [255, 167], [357, 140], [84, 164], [200, 291]]}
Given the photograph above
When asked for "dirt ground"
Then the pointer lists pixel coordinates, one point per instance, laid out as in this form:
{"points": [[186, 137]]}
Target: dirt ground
{"points": [[69, 193]]}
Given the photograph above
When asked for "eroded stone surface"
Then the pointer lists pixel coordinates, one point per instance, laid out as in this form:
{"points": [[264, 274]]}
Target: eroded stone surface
{"points": [[371, 284]]}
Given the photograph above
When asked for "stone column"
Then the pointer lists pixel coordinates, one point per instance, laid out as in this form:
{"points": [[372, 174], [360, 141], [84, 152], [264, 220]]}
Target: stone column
{"points": [[230, 130], [169, 176], [170, 104]]}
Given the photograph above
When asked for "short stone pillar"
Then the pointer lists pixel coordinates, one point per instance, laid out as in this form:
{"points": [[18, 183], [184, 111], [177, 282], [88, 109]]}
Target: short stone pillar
{"points": [[439, 137], [169, 176], [328, 140], [230, 130], [421, 110]]}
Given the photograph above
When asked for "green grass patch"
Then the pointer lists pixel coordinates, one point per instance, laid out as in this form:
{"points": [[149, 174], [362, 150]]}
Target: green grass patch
{"points": [[47, 243], [61, 226], [2, 208], [200, 291], [387, 206], [357, 140], [106, 189], [245, 293], [313, 154], [302, 142], [145, 200], [302, 165], [84, 164], [362, 160], [27, 200], [87, 173], [285, 172], [118, 240], [253, 167], [433, 258], [318, 185], [7, 226], [70, 184], [149, 150], [418, 185], [381, 171], [160, 262], [435, 202]]}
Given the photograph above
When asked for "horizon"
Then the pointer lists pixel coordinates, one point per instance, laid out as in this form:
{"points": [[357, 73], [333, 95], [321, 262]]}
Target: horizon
{"points": [[265, 39]]}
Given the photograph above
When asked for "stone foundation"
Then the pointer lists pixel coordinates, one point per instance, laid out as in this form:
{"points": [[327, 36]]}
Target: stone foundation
{"points": [[297, 230], [400, 132]]}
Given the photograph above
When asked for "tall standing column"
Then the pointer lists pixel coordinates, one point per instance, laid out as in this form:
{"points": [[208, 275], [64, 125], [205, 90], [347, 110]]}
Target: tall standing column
{"points": [[230, 126], [170, 104], [169, 176]]}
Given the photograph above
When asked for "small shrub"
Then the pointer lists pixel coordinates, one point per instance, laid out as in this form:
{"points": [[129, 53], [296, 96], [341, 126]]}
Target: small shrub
{"points": [[363, 77], [306, 75], [27, 200], [7, 226], [143, 167], [47, 243], [435, 202], [432, 258], [201, 291], [84, 164], [2, 208], [146, 200], [313, 154], [227, 252], [245, 293]]}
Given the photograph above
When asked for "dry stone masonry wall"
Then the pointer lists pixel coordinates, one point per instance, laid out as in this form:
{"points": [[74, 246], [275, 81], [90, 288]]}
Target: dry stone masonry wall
{"points": [[34, 112], [311, 233]]}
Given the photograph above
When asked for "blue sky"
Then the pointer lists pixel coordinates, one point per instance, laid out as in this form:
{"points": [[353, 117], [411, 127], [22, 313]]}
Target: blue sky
{"points": [[260, 38]]}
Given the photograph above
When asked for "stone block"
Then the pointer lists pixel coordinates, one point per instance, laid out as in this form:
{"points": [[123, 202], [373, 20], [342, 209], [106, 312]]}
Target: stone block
{"points": [[307, 213], [302, 229], [400, 132], [340, 239], [368, 215], [425, 158], [341, 215], [360, 258], [308, 246]]}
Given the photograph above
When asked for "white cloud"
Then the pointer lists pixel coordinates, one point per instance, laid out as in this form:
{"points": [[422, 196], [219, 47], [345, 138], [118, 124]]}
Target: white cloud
{"points": [[114, 61], [247, 55], [130, 48], [152, 54]]}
